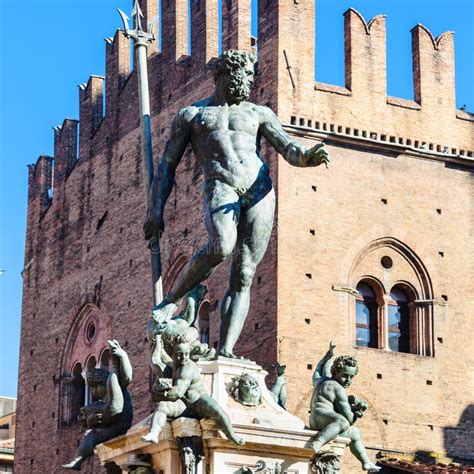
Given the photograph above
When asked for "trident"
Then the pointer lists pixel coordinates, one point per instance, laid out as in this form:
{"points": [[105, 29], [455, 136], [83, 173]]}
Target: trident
{"points": [[141, 39]]}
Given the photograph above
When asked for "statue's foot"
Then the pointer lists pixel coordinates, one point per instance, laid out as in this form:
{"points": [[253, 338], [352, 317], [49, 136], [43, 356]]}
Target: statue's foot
{"points": [[151, 437], [164, 311], [228, 354], [210, 354], [370, 467], [74, 465], [238, 440], [317, 446]]}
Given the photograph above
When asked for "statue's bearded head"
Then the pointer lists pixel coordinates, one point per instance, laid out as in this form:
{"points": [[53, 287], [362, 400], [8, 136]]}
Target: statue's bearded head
{"points": [[235, 71], [344, 369]]}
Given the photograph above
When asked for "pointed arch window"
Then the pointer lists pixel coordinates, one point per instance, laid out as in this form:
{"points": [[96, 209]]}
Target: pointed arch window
{"points": [[78, 386], [398, 315], [367, 316], [91, 364]]}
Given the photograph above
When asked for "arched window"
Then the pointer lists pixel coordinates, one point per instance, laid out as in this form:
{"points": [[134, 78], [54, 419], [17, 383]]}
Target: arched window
{"points": [[105, 359], [85, 349], [398, 316], [78, 386], [91, 364], [203, 321], [394, 304], [367, 316]]}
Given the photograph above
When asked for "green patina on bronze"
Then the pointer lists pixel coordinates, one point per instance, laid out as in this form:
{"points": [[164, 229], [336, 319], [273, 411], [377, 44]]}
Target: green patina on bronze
{"points": [[110, 413], [225, 132], [333, 413]]}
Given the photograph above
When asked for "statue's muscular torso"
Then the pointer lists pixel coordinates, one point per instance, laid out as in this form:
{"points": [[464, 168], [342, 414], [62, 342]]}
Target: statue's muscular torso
{"points": [[225, 141]]}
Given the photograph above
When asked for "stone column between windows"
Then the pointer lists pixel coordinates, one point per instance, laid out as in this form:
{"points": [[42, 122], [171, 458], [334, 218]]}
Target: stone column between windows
{"points": [[384, 322], [417, 330], [423, 312]]}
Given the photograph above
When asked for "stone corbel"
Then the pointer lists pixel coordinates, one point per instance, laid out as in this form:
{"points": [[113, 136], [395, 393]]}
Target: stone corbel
{"points": [[345, 289], [191, 452], [325, 463], [138, 464]]}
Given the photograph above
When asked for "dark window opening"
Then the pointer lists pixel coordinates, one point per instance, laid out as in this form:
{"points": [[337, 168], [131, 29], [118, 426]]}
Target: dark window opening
{"points": [[398, 322], [367, 327], [78, 386]]}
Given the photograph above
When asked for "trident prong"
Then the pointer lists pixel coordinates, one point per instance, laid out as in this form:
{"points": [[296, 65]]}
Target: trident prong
{"points": [[137, 34]]}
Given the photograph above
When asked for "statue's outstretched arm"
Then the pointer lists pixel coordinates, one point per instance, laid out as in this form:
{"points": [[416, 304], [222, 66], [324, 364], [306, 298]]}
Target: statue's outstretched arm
{"points": [[121, 364], [164, 176], [323, 369], [114, 396], [293, 152], [166, 168]]}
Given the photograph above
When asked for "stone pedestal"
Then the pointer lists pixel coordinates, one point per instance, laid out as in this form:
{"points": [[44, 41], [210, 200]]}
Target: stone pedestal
{"points": [[275, 441]]}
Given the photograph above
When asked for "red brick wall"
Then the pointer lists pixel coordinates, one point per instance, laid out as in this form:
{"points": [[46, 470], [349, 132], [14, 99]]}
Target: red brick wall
{"points": [[70, 260]]}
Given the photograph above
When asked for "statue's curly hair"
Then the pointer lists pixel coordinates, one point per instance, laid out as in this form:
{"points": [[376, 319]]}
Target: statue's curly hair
{"points": [[232, 60], [341, 362], [173, 341], [236, 381], [97, 377]]}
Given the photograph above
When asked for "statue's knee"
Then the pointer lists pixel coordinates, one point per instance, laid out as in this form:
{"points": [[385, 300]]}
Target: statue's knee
{"points": [[353, 433], [243, 276], [343, 424], [220, 250]]}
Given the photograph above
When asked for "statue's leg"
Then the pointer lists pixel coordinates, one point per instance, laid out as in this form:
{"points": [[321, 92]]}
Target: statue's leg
{"points": [[221, 213], [358, 450], [85, 450], [207, 407], [255, 227], [158, 420], [330, 425]]}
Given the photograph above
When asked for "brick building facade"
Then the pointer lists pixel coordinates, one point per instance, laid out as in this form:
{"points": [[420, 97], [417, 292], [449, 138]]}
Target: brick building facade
{"points": [[384, 233]]}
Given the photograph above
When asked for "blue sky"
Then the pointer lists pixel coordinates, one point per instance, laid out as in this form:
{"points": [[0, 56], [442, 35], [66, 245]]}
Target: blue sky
{"points": [[48, 47]]}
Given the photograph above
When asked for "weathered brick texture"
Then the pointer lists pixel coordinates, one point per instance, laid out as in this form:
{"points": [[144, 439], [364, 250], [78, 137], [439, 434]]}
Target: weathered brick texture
{"points": [[399, 174]]}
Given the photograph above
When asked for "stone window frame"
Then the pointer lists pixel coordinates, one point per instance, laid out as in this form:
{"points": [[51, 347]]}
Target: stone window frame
{"points": [[96, 349], [421, 306], [383, 300]]}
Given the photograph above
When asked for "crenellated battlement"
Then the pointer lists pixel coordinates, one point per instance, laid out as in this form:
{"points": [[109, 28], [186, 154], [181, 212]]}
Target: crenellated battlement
{"points": [[285, 79]]}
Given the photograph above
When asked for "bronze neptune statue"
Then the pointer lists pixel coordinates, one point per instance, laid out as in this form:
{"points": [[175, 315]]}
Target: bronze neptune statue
{"points": [[225, 131]]}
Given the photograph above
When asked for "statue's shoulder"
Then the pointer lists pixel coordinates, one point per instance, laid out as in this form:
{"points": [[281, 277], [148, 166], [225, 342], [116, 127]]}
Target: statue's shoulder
{"points": [[186, 114], [265, 113], [327, 382]]}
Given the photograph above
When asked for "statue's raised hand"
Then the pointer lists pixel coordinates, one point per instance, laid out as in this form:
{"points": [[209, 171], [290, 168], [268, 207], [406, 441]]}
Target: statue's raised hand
{"points": [[115, 348], [154, 224], [331, 348], [317, 155]]}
